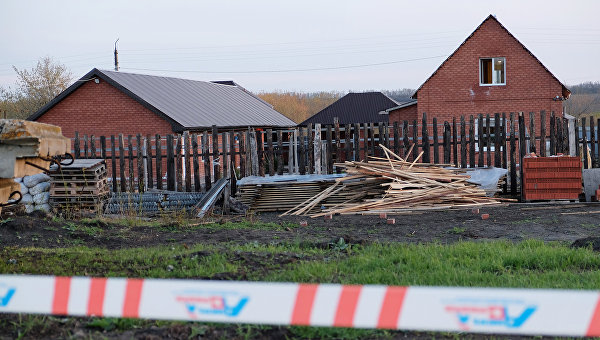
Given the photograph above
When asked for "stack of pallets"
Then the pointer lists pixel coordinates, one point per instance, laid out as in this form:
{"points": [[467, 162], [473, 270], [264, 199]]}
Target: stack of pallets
{"points": [[81, 185]]}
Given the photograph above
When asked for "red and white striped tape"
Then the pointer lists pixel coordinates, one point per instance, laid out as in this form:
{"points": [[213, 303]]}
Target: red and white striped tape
{"points": [[488, 310]]}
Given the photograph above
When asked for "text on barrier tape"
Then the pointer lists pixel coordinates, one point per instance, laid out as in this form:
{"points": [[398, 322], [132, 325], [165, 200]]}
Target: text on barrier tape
{"points": [[489, 310]]}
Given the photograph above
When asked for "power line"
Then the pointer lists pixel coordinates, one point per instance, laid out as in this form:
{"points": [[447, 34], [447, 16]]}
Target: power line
{"points": [[288, 70]]}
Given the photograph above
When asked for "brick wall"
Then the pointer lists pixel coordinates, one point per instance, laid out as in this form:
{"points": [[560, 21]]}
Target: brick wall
{"points": [[102, 110], [454, 90]]}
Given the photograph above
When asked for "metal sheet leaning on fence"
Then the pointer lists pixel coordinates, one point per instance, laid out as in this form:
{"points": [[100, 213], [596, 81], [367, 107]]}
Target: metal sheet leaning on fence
{"points": [[486, 310]]}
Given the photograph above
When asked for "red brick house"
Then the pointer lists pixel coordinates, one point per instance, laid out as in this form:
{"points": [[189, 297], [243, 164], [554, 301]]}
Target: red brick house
{"points": [[108, 103], [491, 71]]}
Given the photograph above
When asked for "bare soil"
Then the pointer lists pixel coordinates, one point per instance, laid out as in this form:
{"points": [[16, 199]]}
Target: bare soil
{"points": [[574, 223]]}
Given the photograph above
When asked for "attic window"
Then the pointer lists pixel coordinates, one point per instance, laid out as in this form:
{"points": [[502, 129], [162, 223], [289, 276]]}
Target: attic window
{"points": [[492, 71]]}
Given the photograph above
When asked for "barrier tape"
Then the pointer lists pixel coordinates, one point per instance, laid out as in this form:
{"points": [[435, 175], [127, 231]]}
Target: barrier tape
{"points": [[487, 310]]}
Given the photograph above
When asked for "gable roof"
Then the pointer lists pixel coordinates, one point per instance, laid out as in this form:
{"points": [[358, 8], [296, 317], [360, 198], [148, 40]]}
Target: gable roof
{"points": [[187, 104], [565, 91], [355, 108], [401, 106]]}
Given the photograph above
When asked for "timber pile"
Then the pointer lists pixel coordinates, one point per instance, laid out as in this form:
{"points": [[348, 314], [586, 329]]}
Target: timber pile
{"points": [[409, 186], [81, 185]]}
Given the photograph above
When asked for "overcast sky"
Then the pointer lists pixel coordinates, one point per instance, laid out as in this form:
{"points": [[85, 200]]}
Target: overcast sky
{"points": [[290, 45]]}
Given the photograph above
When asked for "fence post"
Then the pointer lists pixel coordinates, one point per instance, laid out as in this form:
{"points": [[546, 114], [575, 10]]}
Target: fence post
{"points": [[454, 142], [436, 146], [488, 139], [463, 143], [196, 163], [113, 163], [532, 147], [576, 124], [471, 141], [92, 146], [447, 143], [187, 154], [159, 174], [225, 155], [271, 153], [497, 135], [318, 147], [348, 146], [552, 134], [292, 151], [584, 143], [178, 164], [372, 137], [396, 139], [140, 163], [503, 147], [415, 140], [122, 163], [279, 152], [170, 164], [301, 152], [543, 133], [311, 148], [329, 151], [254, 161], [513, 164], [242, 149], [338, 140], [76, 145], [480, 142], [85, 146], [405, 140], [148, 157], [522, 150], [356, 142], [425, 140], [103, 147], [592, 143], [381, 139], [131, 169]]}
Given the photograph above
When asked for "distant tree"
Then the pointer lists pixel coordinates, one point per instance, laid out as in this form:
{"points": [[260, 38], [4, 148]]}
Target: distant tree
{"points": [[584, 100], [299, 106], [34, 88], [400, 95]]}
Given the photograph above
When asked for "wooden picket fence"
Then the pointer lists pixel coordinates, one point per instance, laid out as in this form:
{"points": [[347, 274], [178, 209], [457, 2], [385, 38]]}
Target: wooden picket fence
{"points": [[193, 161]]}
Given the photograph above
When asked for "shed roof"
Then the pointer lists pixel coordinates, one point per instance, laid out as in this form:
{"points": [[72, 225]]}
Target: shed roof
{"points": [[187, 104], [355, 108]]}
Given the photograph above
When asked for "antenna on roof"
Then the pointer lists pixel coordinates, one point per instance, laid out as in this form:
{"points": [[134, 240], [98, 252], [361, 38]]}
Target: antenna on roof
{"points": [[116, 56]]}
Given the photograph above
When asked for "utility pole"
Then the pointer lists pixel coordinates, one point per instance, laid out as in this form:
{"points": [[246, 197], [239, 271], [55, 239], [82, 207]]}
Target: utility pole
{"points": [[116, 56]]}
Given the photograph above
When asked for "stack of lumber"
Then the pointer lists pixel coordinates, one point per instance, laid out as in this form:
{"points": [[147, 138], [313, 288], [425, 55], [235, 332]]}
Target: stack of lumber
{"points": [[408, 187], [81, 185]]}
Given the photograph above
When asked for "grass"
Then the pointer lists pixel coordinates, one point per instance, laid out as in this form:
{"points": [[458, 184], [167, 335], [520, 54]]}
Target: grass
{"points": [[530, 263]]}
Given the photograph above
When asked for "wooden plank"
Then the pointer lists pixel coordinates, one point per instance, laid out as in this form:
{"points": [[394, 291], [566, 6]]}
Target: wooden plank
{"points": [[425, 140], [497, 139], [543, 133], [292, 137], [447, 143], [85, 146], [396, 138], [436, 147], [77, 151], [559, 135], [386, 130], [215, 153], [372, 143], [463, 143], [488, 124], [225, 154], [187, 157], [279, 152], [317, 149], [196, 163], [140, 163], [92, 146], [103, 147], [552, 134], [480, 143], [311, 148], [145, 164], [329, 151], [233, 164], [170, 164], [454, 142], [243, 156], [565, 133], [113, 164], [131, 168], [158, 151], [149, 157], [122, 163], [178, 164], [405, 140], [592, 143], [503, 147], [565, 136], [356, 135], [366, 140], [338, 140], [348, 143], [513, 161], [471, 141], [381, 139], [270, 153], [301, 151], [206, 160], [532, 139], [415, 140], [584, 144], [522, 150]]}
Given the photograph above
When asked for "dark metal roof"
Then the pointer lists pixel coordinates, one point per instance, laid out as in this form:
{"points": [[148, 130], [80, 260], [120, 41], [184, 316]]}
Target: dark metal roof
{"points": [[187, 104], [355, 108], [565, 91]]}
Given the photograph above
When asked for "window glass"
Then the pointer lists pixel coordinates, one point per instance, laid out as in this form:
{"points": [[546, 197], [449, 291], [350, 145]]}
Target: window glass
{"points": [[492, 71]]}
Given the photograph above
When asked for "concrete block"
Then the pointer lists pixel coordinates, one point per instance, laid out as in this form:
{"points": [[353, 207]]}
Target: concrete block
{"points": [[591, 182]]}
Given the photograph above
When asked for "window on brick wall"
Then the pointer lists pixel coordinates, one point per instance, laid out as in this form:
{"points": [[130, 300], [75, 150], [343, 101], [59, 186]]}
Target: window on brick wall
{"points": [[490, 130], [492, 71]]}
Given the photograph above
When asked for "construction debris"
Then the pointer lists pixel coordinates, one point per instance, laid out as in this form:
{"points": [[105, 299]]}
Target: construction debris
{"points": [[406, 186]]}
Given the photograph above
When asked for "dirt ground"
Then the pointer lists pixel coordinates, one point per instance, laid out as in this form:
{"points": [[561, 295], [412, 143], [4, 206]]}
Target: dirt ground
{"points": [[515, 222], [577, 223]]}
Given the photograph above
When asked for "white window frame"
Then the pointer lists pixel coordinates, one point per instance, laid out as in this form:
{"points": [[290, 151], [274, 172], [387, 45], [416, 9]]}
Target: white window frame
{"points": [[493, 74]]}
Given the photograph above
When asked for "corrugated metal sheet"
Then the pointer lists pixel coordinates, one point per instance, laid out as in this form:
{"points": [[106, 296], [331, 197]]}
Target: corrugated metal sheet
{"points": [[355, 108], [195, 104]]}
